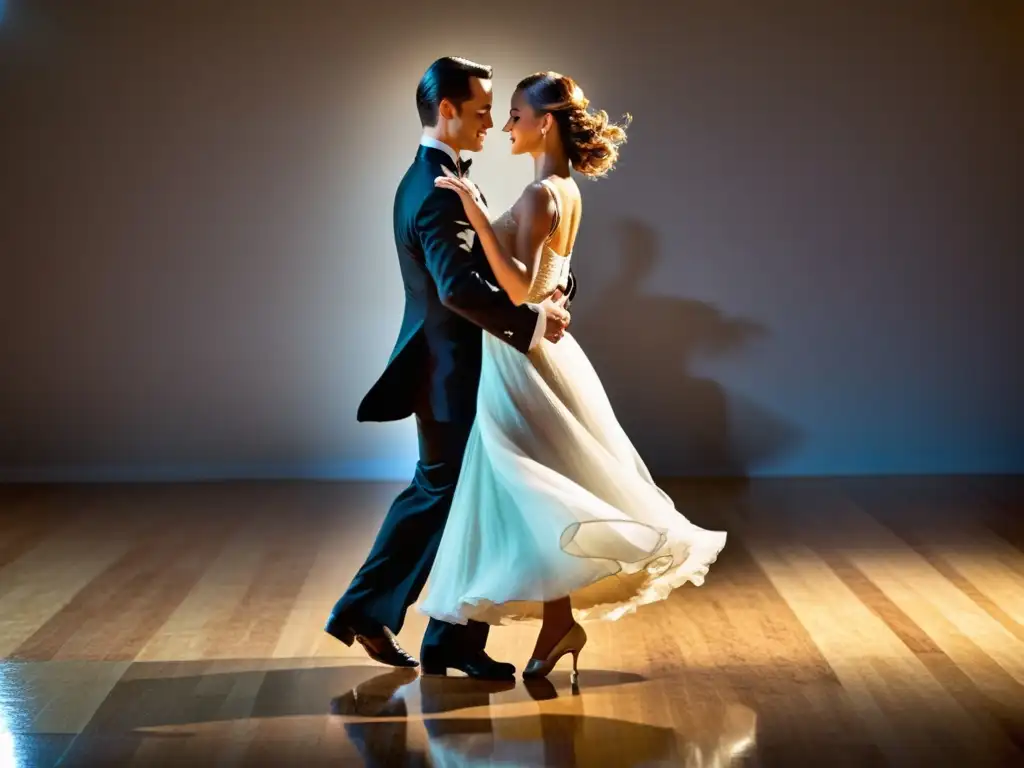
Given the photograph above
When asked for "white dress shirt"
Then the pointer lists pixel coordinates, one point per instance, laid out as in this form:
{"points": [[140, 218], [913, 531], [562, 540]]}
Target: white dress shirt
{"points": [[542, 320]]}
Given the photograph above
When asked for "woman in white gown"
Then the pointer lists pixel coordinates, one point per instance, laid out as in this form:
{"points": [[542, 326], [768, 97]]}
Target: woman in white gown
{"points": [[555, 515]]}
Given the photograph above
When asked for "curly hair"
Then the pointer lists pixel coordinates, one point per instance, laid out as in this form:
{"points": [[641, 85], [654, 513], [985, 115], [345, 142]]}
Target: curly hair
{"points": [[591, 142]]}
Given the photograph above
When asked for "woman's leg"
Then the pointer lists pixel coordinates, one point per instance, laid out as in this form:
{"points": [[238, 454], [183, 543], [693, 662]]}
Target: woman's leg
{"points": [[558, 620]]}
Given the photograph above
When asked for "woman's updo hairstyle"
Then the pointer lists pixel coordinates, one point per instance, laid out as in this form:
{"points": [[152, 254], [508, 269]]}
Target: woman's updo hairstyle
{"points": [[591, 142]]}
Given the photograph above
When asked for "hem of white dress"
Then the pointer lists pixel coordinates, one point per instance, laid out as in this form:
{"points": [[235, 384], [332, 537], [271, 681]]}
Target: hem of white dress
{"points": [[693, 570]]}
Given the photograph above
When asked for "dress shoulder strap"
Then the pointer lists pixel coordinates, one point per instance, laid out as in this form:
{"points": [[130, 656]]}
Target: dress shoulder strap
{"points": [[558, 205]]}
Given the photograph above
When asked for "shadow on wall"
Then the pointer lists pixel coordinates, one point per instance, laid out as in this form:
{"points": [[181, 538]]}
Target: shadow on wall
{"points": [[644, 348]]}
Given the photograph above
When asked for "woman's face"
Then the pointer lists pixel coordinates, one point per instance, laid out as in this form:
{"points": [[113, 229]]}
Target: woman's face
{"points": [[525, 126]]}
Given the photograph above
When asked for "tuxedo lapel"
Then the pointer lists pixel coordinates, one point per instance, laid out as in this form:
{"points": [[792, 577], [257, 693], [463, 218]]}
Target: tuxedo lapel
{"points": [[470, 242]]}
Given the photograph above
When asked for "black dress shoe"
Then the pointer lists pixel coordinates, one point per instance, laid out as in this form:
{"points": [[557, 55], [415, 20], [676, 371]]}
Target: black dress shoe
{"points": [[339, 628], [380, 645], [475, 664]]}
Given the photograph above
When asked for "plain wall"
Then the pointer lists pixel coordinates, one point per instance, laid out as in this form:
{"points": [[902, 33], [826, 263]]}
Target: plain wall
{"points": [[809, 260]]}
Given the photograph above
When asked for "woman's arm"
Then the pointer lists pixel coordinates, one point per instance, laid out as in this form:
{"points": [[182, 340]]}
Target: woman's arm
{"points": [[534, 211], [460, 287]]}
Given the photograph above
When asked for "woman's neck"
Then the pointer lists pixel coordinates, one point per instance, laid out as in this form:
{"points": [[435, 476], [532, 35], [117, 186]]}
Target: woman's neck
{"points": [[548, 164]]}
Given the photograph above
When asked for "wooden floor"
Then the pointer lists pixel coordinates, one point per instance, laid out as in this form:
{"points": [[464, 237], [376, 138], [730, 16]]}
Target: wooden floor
{"points": [[848, 622]]}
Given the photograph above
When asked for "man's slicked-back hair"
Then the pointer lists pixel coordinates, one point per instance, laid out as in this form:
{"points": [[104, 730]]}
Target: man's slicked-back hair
{"points": [[447, 78]]}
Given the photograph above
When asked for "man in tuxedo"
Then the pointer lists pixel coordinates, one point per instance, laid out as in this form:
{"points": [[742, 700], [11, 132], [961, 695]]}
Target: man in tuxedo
{"points": [[433, 373]]}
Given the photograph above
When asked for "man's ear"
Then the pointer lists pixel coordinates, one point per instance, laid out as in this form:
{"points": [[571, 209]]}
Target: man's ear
{"points": [[447, 110]]}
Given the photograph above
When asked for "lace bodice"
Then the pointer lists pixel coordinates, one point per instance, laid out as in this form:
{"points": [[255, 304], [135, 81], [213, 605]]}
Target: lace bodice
{"points": [[553, 271]]}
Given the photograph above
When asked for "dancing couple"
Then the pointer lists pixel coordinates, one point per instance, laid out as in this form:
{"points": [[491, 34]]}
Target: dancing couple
{"points": [[529, 502]]}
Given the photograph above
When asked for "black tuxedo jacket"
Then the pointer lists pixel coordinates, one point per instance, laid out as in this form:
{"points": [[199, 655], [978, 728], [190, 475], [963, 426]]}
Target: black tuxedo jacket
{"points": [[450, 295]]}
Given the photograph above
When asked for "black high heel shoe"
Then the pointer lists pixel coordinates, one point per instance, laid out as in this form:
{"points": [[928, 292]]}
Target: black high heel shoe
{"points": [[571, 642]]}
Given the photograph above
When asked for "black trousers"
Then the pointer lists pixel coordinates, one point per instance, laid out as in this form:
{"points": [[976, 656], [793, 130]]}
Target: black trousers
{"points": [[403, 553]]}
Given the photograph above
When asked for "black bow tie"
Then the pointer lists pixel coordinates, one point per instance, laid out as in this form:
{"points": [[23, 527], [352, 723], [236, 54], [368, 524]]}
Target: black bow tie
{"points": [[464, 166]]}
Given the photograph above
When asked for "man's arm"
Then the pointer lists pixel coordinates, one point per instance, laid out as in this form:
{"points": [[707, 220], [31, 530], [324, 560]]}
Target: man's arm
{"points": [[448, 253]]}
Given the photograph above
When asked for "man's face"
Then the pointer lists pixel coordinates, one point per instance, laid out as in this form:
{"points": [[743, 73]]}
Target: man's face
{"points": [[469, 125]]}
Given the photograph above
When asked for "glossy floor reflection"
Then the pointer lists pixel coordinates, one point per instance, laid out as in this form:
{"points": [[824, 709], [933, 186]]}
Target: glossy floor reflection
{"points": [[226, 713], [849, 622], [468, 723]]}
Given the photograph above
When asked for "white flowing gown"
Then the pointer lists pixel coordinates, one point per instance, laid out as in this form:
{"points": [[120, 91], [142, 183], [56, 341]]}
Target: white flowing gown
{"points": [[552, 499]]}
